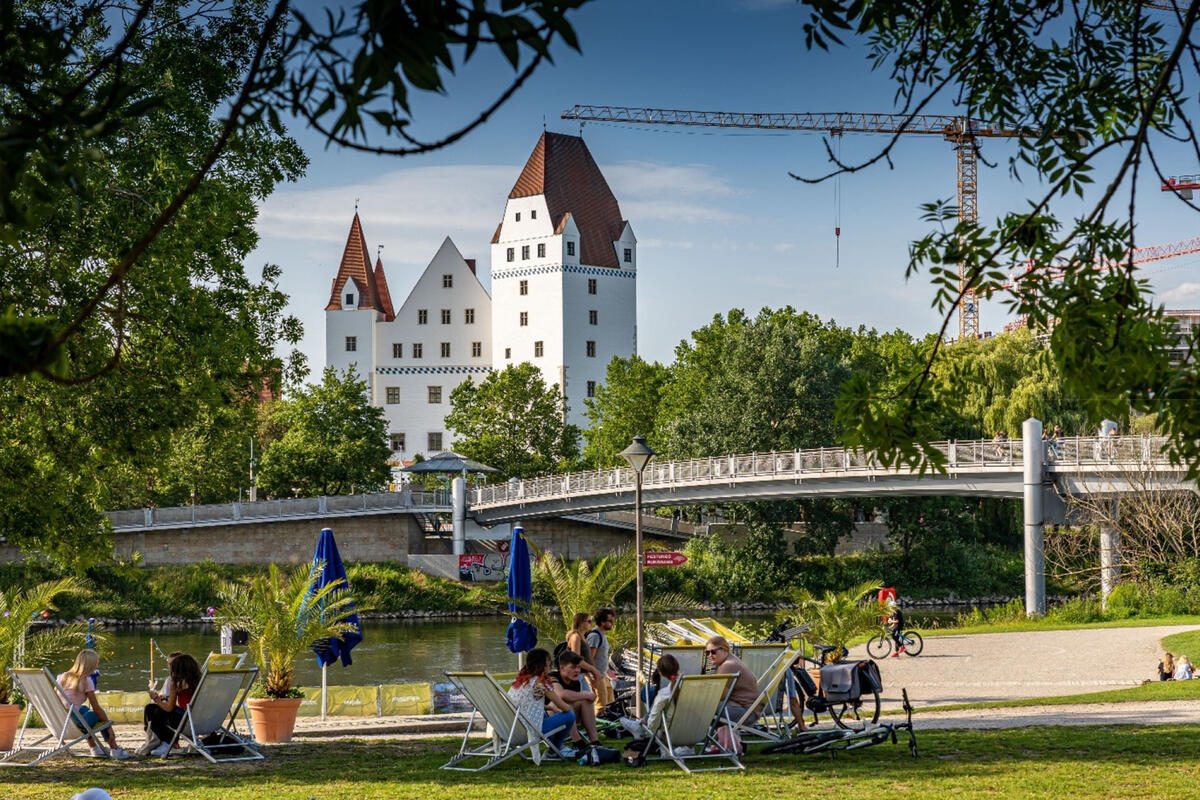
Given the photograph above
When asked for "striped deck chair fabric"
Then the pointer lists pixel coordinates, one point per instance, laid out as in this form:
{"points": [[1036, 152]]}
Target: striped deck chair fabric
{"points": [[771, 723], [64, 730], [686, 730], [511, 733]]}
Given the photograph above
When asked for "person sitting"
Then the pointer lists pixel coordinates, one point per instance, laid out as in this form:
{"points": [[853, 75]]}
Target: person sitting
{"points": [[1166, 668], [666, 670], [1183, 669], [745, 688], [573, 688], [79, 687], [164, 712], [531, 692]]}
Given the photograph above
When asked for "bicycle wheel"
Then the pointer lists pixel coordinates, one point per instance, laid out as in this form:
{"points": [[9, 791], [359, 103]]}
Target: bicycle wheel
{"points": [[913, 643], [879, 646], [858, 715]]}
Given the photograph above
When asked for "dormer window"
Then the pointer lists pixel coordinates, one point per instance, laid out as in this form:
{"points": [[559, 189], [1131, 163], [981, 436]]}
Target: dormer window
{"points": [[350, 299], [628, 255], [570, 248]]}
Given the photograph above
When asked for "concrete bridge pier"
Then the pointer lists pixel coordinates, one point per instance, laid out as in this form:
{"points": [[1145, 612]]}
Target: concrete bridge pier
{"points": [[1035, 538], [1110, 553], [458, 514]]}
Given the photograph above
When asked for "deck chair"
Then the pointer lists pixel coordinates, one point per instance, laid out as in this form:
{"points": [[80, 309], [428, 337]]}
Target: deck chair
{"points": [[64, 730], [511, 734], [690, 657], [212, 715], [771, 723], [690, 721], [224, 661], [759, 658]]}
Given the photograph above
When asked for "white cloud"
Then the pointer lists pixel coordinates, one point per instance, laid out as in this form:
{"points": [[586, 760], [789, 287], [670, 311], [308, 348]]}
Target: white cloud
{"points": [[1185, 294], [690, 193]]}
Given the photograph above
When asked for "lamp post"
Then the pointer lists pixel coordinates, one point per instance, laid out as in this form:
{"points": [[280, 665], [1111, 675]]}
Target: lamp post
{"points": [[638, 454]]}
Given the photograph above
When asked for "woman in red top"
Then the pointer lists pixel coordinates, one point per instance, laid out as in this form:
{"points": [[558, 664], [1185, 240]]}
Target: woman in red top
{"points": [[165, 711]]}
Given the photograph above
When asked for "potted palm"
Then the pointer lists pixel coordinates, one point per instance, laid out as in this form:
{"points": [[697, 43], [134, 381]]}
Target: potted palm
{"points": [[837, 618], [284, 615], [21, 645]]}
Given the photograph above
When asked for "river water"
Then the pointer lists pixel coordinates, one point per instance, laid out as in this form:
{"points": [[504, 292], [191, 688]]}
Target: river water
{"points": [[391, 652]]}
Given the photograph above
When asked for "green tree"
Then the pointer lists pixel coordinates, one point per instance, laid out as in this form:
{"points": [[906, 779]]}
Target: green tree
{"points": [[514, 422], [1097, 93], [625, 405], [333, 442]]}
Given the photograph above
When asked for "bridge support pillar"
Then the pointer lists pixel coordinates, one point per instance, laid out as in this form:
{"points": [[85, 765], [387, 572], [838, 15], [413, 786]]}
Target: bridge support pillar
{"points": [[458, 516], [1035, 543], [1110, 553]]}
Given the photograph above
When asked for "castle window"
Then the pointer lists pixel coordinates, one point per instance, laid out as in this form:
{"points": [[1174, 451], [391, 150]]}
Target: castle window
{"points": [[435, 394], [537, 349], [445, 349], [351, 344], [397, 350], [435, 443], [628, 255], [445, 316], [350, 299], [397, 442], [469, 316], [542, 250], [533, 213], [591, 349], [447, 281], [524, 319], [524, 252], [523, 288], [507, 352], [476, 349], [570, 248], [591, 389], [422, 316], [510, 254], [418, 350], [393, 395], [591, 285], [592, 314], [518, 217]]}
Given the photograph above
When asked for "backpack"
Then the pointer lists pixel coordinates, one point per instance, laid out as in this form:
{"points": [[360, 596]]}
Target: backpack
{"points": [[634, 754]]}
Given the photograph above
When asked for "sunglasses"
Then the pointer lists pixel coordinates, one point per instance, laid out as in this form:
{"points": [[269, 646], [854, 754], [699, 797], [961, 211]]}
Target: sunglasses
{"points": [[710, 652]]}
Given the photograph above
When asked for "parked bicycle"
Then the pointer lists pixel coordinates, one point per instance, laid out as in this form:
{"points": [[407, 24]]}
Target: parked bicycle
{"points": [[880, 645], [848, 690]]}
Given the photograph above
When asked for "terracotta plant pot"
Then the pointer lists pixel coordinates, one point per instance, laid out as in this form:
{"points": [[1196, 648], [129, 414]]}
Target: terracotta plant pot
{"points": [[273, 720], [9, 716]]}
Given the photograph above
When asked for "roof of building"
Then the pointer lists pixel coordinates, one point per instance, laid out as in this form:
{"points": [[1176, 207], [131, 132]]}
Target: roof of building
{"points": [[562, 169], [381, 286], [357, 265]]}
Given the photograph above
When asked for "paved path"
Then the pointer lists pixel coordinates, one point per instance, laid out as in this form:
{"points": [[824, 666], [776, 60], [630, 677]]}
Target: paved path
{"points": [[1009, 666]]}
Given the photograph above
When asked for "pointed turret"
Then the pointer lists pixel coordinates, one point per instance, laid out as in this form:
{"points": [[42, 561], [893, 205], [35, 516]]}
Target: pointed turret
{"points": [[381, 286], [356, 267]]}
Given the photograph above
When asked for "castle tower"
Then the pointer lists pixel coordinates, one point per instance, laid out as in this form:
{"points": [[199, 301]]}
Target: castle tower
{"points": [[564, 273], [355, 305]]}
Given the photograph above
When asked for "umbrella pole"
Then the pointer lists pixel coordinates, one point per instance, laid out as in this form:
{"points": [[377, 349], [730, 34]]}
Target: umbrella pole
{"points": [[324, 705]]}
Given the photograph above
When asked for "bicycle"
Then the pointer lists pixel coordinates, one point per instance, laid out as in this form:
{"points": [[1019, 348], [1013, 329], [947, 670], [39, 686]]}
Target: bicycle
{"points": [[880, 645], [854, 714]]}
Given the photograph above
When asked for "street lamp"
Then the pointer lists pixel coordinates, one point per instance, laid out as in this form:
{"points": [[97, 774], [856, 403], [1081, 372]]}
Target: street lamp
{"points": [[638, 454]]}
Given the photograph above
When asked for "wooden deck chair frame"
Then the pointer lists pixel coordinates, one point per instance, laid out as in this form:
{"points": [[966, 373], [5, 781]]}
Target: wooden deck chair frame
{"points": [[696, 708], [776, 725], [46, 696], [512, 734], [219, 698]]}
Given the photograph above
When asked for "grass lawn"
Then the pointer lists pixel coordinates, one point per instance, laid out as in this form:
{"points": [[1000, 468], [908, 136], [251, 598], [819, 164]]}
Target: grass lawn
{"points": [[1048, 762], [1050, 625], [1186, 643], [1158, 690]]}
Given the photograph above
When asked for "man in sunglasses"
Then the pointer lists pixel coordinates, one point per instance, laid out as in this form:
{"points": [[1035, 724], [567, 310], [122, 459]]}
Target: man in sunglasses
{"points": [[745, 688]]}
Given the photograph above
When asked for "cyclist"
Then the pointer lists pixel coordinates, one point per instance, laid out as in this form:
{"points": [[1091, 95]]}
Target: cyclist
{"points": [[895, 623]]}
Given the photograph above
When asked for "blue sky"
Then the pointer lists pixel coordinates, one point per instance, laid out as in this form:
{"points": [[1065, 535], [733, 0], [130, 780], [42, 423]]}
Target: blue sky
{"points": [[720, 223]]}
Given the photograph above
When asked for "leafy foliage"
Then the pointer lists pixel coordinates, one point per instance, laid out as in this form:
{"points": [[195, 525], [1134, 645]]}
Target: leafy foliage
{"points": [[285, 614], [514, 422], [625, 405], [837, 617], [22, 643], [333, 440]]}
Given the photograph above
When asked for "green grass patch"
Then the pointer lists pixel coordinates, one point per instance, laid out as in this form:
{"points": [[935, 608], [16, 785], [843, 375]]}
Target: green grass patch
{"points": [[1186, 643], [1074, 762]]}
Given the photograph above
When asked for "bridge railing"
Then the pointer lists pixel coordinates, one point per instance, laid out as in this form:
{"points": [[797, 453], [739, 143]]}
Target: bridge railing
{"points": [[1129, 451]]}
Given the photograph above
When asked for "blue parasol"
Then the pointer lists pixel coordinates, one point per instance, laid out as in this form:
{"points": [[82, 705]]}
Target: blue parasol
{"points": [[522, 636], [330, 650]]}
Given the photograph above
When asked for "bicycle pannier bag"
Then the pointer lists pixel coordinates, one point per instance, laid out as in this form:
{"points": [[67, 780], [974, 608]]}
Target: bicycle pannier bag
{"points": [[868, 678], [839, 682], [806, 682]]}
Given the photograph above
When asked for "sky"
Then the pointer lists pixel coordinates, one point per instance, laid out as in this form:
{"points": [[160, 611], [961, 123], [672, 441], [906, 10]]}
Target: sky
{"points": [[719, 221]]}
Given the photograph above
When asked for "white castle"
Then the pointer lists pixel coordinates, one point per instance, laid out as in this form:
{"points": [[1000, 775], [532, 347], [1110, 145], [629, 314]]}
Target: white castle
{"points": [[564, 298]]}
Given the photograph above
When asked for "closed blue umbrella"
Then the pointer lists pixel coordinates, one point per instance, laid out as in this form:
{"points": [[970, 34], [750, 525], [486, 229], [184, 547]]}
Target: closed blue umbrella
{"points": [[522, 636], [330, 650]]}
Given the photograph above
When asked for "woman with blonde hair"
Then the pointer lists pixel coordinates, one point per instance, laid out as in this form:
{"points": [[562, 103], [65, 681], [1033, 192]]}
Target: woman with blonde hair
{"points": [[581, 623], [1166, 668], [78, 686], [1183, 669]]}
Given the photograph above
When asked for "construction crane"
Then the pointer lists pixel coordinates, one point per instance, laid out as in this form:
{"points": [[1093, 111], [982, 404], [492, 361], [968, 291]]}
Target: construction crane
{"points": [[961, 132]]}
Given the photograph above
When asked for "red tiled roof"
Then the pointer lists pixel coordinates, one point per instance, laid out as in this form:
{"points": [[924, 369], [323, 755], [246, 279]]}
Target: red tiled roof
{"points": [[385, 297], [562, 169], [355, 264]]}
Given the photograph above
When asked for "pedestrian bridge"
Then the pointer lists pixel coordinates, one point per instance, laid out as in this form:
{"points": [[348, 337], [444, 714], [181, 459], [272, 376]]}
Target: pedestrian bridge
{"points": [[1113, 464]]}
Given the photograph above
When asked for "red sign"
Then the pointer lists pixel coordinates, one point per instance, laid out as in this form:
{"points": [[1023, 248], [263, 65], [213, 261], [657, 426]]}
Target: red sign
{"points": [[660, 558], [469, 560]]}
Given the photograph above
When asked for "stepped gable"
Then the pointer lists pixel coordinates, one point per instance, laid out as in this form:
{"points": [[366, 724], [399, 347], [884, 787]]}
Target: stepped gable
{"points": [[385, 296], [356, 266], [562, 169]]}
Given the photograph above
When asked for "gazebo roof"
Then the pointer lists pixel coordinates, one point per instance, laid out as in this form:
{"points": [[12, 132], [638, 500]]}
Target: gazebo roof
{"points": [[449, 462]]}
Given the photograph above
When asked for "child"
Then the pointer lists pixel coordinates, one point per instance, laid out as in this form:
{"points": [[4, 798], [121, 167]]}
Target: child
{"points": [[1183, 669], [165, 711], [79, 688], [668, 670]]}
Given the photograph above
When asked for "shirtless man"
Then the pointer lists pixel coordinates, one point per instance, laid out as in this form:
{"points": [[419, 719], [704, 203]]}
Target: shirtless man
{"points": [[574, 690]]}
